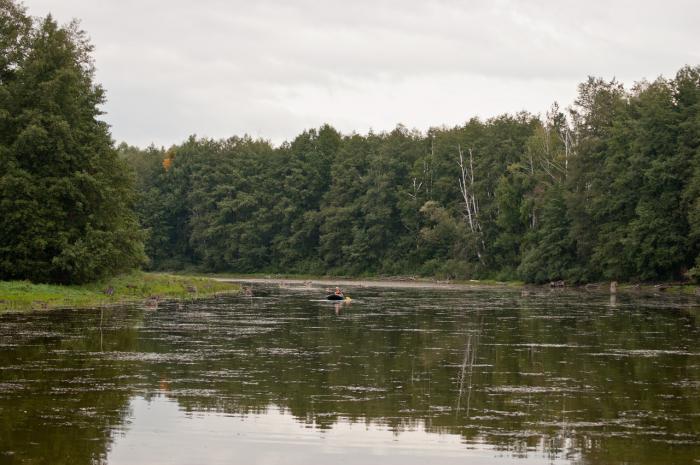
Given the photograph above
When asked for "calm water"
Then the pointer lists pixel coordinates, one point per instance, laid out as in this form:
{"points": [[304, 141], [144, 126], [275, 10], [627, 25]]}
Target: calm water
{"points": [[396, 377]]}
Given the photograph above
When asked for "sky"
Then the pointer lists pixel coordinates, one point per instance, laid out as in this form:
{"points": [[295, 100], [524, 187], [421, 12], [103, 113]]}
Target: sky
{"points": [[273, 68]]}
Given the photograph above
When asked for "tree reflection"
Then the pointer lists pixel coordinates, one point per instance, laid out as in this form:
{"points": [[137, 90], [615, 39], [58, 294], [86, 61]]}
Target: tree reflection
{"points": [[563, 376]]}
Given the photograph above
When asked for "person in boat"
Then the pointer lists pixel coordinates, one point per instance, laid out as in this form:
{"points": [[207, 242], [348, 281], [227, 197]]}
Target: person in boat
{"points": [[338, 292]]}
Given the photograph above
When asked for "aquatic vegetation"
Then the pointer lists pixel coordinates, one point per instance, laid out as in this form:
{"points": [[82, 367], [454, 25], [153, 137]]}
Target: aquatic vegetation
{"points": [[567, 378]]}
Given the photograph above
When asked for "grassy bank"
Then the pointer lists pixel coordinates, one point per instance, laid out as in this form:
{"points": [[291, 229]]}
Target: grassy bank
{"points": [[133, 287]]}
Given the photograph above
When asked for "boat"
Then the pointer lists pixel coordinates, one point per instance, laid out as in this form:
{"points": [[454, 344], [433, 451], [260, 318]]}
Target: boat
{"points": [[335, 297]]}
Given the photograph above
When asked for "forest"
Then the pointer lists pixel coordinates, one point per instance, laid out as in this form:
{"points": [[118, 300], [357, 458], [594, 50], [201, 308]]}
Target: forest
{"points": [[66, 199], [605, 189], [608, 189]]}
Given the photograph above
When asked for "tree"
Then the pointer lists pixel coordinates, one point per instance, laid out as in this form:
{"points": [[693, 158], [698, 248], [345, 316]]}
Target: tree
{"points": [[607, 191], [686, 94], [15, 26], [65, 197], [550, 250]]}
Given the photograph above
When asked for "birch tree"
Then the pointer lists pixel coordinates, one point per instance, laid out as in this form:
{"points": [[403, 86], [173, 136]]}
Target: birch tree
{"points": [[468, 192]]}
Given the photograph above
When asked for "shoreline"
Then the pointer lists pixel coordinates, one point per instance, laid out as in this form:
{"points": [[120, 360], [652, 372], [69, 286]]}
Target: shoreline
{"points": [[354, 282], [655, 290], [147, 288], [152, 288]]}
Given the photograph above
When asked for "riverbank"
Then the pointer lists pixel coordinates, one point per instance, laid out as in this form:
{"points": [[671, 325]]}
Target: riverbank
{"points": [[132, 287], [388, 282], [647, 289]]}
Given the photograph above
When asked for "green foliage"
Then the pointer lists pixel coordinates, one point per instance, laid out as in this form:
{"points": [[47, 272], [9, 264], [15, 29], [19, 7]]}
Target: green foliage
{"points": [[65, 197], [15, 26], [608, 190], [550, 249]]}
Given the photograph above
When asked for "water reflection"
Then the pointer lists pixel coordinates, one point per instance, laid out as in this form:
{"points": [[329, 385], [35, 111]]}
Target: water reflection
{"points": [[160, 432], [483, 375]]}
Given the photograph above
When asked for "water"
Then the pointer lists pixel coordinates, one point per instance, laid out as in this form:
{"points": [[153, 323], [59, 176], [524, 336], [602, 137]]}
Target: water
{"points": [[398, 376]]}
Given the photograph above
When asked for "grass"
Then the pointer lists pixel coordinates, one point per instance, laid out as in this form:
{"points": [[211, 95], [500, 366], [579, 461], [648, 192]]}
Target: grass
{"points": [[132, 287]]}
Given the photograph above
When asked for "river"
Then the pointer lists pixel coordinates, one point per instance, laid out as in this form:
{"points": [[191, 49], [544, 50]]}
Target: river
{"points": [[397, 376]]}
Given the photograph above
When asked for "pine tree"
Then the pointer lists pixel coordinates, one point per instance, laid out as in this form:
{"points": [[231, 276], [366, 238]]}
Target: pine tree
{"points": [[65, 197]]}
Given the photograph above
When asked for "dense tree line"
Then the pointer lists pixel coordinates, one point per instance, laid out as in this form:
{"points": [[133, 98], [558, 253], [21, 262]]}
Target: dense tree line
{"points": [[609, 189], [66, 199]]}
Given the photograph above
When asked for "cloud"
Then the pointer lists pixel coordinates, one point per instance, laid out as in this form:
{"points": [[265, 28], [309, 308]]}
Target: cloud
{"points": [[272, 68]]}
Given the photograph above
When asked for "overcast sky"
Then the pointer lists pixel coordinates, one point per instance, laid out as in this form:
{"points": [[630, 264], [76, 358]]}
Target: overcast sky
{"points": [[273, 68]]}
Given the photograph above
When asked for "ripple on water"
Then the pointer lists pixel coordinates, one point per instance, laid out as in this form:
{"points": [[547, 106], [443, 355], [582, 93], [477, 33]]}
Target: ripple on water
{"points": [[149, 356], [562, 379], [643, 353]]}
